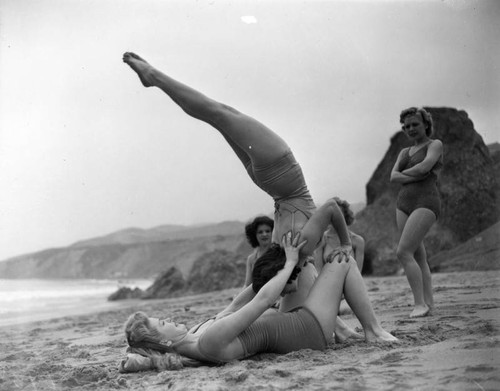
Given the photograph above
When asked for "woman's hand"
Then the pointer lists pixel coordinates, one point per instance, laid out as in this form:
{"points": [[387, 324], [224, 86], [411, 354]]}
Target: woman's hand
{"points": [[340, 254], [292, 247]]}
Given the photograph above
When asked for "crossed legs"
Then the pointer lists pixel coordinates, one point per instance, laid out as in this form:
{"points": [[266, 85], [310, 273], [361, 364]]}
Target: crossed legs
{"points": [[411, 253]]}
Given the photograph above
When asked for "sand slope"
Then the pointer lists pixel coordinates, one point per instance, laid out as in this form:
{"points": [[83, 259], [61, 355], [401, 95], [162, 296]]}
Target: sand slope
{"points": [[457, 348]]}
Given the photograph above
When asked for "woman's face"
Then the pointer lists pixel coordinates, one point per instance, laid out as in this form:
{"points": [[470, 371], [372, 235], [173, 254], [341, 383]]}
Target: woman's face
{"points": [[414, 126], [168, 329], [263, 234]]}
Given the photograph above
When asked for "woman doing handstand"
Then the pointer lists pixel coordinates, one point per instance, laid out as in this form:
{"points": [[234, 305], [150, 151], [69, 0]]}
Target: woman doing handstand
{"points": [[271, 165]]}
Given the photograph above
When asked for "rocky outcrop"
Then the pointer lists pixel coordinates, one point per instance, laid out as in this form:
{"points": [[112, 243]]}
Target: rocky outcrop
{"points": [[215, 271], [125, 293], [468, 186], [169, 284], [482, 252]]}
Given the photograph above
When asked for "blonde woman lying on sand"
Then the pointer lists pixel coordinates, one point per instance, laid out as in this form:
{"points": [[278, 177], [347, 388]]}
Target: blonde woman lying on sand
{"points": [[249, 326], [271, 165], [268, 161]]}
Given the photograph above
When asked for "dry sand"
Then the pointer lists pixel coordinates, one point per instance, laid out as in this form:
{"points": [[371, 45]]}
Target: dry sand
{"points": [[457, 348]]}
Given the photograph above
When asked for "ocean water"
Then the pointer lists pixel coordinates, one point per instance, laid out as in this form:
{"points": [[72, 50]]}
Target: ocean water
{"points": [[27, 300]]}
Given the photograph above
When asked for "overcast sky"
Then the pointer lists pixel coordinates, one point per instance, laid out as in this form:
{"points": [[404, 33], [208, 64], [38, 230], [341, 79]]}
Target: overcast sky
{"points": [[85, 150]]}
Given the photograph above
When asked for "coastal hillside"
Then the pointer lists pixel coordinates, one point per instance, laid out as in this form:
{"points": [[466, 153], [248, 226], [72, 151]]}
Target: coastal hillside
{"points": [[131, 253]]}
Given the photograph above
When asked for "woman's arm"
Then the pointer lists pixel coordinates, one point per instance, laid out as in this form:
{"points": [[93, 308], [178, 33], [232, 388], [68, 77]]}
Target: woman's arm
{"points": [[328, 213], [318, 254], [223, 331], [249, 268], [434, 152], [245, 296], [401, 177], [358, 246]]}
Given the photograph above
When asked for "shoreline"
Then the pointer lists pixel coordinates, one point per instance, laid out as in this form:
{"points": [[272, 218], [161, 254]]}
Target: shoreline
{"points": [[28, 300], [455, 348]]}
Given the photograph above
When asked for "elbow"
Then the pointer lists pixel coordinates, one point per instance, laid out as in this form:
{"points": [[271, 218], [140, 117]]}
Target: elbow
{"points": [[420, 171]]}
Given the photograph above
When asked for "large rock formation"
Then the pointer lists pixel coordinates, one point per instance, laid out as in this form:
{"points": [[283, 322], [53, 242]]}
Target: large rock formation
{"points": [[482, 252], [468, 187], [169, 284], [215, 271]]}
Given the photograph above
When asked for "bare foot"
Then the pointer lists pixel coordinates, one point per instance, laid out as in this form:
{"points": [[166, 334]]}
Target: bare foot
{"points": [[140, 66], [420, 311], [380, 336], [342, 334]]}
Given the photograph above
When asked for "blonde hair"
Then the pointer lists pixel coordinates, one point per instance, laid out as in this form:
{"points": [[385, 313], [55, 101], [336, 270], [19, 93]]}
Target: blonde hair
{"points": [[138, 328], [426, 118]]}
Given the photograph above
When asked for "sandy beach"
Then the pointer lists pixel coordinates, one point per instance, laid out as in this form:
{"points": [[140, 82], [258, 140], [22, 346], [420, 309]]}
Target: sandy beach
{"points": [[457, 348]]}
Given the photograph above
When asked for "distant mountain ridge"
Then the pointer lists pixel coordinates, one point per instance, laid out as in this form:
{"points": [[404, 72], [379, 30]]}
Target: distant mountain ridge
{"points": [[131, 253], [162, 233]]}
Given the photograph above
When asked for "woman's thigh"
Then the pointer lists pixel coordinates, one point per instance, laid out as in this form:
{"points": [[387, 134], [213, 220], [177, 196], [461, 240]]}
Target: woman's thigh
{"points": [[306, 279], [257, 140], [325, 295], [414, 230]]}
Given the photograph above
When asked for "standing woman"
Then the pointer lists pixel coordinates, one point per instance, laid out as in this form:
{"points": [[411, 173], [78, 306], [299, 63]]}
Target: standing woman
{"points": [[418, 204], [259, 234]]}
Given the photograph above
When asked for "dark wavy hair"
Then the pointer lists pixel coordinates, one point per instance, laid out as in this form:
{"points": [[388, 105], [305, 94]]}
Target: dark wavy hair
{"points": [[251, 229], [345, 207], [426, 118], [268, 265]]}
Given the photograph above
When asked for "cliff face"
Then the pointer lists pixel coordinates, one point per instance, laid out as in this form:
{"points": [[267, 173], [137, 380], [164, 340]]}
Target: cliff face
{"points": [[134, 260], [468, 186], [213, 271]]}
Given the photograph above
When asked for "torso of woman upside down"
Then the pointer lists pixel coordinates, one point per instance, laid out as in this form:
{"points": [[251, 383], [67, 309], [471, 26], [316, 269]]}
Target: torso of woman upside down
{"points": [[284, 181]]}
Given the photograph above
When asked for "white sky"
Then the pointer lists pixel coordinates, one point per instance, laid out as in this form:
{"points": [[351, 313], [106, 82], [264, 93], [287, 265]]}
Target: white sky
{"points": [[85, 150]]}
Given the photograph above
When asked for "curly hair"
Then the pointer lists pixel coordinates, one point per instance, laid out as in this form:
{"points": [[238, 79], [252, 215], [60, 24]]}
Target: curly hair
{"points": [[251, 229], [426, 118], [345, 207], [268, 265], [138, 328]]}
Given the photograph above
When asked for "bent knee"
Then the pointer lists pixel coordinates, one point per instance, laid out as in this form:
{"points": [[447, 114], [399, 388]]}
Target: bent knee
{"points": [[404, 254]]}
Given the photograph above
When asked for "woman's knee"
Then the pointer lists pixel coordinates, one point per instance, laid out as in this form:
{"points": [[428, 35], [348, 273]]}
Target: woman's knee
{"points": [[404, 254]]}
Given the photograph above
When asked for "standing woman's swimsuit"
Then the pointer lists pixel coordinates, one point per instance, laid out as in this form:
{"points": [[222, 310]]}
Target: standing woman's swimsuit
{"points": [[421, 194]]}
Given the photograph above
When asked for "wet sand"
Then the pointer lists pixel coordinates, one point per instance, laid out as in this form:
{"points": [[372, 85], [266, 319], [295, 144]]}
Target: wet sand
{"points": [[456, 348]]}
